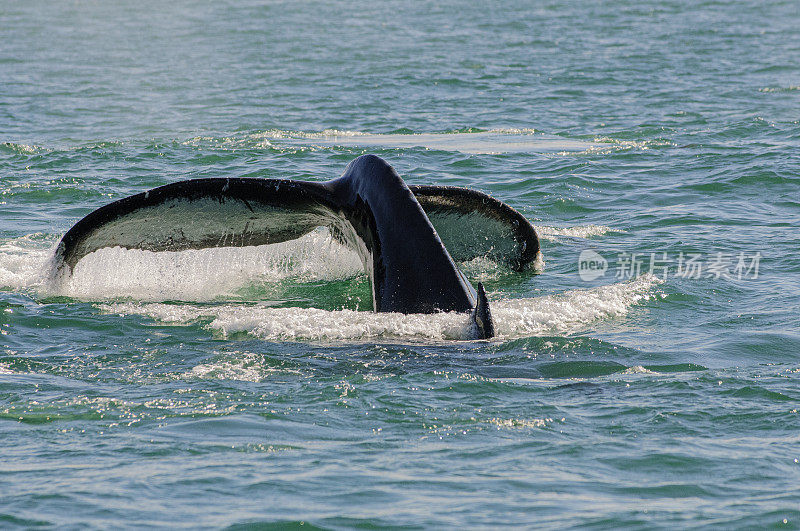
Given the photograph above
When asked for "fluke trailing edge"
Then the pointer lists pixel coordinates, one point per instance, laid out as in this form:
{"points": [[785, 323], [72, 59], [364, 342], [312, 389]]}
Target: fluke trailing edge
{"points": [[407, 237]]}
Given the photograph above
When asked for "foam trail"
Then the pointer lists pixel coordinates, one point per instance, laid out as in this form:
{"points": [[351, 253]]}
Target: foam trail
{"points": [[571, 311], [494, 141], [565, 313], [579, 231]]}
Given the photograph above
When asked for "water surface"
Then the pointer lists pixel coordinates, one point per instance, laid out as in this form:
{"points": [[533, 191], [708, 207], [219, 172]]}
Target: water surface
{"points": [[237, 387]]}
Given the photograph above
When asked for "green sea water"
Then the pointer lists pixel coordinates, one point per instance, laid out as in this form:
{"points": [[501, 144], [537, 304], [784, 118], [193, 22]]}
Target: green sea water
{"points": [[254, 388]]}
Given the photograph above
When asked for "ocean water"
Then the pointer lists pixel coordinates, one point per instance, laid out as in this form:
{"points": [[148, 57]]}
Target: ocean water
{"points": [[647, 377]]}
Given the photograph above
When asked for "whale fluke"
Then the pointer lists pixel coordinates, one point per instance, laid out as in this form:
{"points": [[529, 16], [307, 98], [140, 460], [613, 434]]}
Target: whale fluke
{"points": [[402, 234], [481, 316], [472, 224]]}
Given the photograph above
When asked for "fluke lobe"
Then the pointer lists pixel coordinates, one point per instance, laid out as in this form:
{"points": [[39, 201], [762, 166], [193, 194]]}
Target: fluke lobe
{"points": [[408, 238]]}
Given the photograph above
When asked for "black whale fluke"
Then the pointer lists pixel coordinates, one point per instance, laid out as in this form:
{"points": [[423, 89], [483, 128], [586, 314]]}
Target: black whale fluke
{"points": [[481, 316], [407, 237]]}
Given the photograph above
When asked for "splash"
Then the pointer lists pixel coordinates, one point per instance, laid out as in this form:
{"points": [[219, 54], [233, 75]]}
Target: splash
{"points": [[572, 311], [25, 262], [303, 324], [213, 274], [208, 274], [483, 269]]}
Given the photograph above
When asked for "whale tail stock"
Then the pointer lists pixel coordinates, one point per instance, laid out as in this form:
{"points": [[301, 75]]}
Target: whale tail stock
{"points": [[404, 235]]}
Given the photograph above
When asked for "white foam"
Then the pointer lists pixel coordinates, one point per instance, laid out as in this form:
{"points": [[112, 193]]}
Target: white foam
{"points": [[579, 231], [520, 423], [515, 131], [638, 369], [604, 145], [312, 324], [571, 311], [482, 269], [327, 133], [565, 313], [242, 366]]}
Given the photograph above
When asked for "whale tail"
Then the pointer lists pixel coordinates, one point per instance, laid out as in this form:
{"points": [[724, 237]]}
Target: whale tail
{"points": [[483, 324], [409, 238]]}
